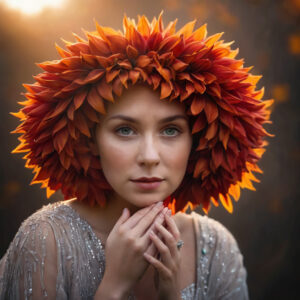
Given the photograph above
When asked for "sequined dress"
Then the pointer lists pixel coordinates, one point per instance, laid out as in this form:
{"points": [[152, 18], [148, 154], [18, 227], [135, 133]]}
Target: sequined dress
{"points": [[78, 261]]}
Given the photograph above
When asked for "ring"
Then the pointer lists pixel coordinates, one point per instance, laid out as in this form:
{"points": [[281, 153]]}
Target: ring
{"points": [[179, 244]]}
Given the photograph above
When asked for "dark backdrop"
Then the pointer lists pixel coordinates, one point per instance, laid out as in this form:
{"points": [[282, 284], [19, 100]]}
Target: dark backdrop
{"points": [[267, 33]]}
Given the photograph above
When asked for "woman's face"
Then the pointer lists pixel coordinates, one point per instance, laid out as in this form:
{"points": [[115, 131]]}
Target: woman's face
{"points": [[143, 136]]}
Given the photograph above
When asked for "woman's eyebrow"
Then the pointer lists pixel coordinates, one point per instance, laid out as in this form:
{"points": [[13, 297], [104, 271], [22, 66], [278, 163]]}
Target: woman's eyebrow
{"points": [[164, 120]]}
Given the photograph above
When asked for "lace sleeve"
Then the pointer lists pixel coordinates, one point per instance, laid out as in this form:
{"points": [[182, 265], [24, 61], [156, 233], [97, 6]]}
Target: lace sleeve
{"points": [[29, 268], [227, 273]]}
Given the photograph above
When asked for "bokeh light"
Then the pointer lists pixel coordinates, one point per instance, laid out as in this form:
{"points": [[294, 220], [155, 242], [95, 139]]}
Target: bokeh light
{"points": [[32, 6]]}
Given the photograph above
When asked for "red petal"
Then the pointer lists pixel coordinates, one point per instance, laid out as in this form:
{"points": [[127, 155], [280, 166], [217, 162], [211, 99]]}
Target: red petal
{"points": [[60, 140], [217, 156], [211, 111], [201, 165]]}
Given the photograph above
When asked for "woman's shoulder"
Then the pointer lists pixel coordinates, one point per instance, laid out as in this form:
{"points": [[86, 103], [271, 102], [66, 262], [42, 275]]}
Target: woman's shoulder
{"points": [[221, 272], [51, 213], [209, 232], [42, 229]]}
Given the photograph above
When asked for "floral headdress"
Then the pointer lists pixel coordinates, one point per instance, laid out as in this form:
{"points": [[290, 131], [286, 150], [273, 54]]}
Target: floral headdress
{"points": [[226, 112]]}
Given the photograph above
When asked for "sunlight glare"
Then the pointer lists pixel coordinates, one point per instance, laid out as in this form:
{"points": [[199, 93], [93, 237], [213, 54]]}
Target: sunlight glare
{"points": [[32, 6]]}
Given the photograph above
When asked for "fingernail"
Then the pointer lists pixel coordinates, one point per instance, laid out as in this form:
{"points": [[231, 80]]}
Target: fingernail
{"points": [[159, 204], [164, 211], [169, 212]]}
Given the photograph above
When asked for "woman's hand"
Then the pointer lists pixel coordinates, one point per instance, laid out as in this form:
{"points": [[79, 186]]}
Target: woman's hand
{"points": [[125, 246], [168, 264]]}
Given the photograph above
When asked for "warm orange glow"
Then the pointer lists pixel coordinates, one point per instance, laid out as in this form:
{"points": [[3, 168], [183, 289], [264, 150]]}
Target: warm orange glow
{"points": [[32, 6]]}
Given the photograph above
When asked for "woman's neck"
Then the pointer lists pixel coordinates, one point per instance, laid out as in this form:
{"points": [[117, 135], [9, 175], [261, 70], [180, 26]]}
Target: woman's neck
{"points": [[102, 219]]}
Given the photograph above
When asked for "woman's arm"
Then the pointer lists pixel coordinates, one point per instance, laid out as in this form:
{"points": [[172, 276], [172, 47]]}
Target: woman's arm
{"points": [[30, 264], [222, 262]]}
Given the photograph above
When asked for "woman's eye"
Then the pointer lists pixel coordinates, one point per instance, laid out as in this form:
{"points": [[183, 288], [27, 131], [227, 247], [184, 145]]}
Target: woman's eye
{"points": [[171, 131], [124, 131]]}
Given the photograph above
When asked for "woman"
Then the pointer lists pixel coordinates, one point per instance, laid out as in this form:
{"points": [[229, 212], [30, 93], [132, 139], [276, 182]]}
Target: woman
{"points": [[123, 123]]}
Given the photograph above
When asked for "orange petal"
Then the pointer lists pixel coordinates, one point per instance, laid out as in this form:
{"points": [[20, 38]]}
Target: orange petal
{"points": [[143, 26], [117, 86], [166, 90], [212, 130], [105, 90], [234, 191], [98, 46], [79, 98], [198, 104], [111, 75], [212, 39], [80, 123], [90, 113], [132, 52], [200, 33], [179, 65], [134, 76], [226, 201], [62, 52], [143, 61], [187, 29], [59, 125], [124, 77], [95, 101], [118, 43]]}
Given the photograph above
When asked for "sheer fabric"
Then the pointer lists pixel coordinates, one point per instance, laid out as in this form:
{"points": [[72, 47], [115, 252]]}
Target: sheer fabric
{"points": [[56, 255]]}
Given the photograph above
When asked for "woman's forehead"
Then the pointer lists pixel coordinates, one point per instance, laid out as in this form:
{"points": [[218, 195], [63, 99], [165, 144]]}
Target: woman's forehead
{"points": [[143, 100]]}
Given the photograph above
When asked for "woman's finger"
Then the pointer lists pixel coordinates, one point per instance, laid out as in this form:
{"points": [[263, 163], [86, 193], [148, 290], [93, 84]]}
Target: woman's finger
{"points": [[163, 249], [142, 226], [122, 219], [135, 218], [169, 240], [160, 219], [172, 227], [158, 265]]}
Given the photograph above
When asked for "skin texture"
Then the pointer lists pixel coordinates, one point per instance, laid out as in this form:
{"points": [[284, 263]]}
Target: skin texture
{"points": [[147, 147], [144, 234]]}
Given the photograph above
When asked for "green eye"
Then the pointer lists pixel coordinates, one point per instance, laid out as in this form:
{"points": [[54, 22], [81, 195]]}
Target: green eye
{"points": [[172, 131], [124, 131]]}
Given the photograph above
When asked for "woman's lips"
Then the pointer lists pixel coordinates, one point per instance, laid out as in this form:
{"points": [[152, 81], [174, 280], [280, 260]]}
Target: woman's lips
{"points": [[147, 185]]}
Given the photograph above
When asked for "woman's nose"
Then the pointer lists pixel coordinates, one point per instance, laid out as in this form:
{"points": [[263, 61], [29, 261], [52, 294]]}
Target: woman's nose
{"points": [[148, 152]]}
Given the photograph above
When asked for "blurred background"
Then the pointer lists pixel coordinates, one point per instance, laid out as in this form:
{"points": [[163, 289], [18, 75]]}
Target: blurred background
{"points": [[267, 33]]}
